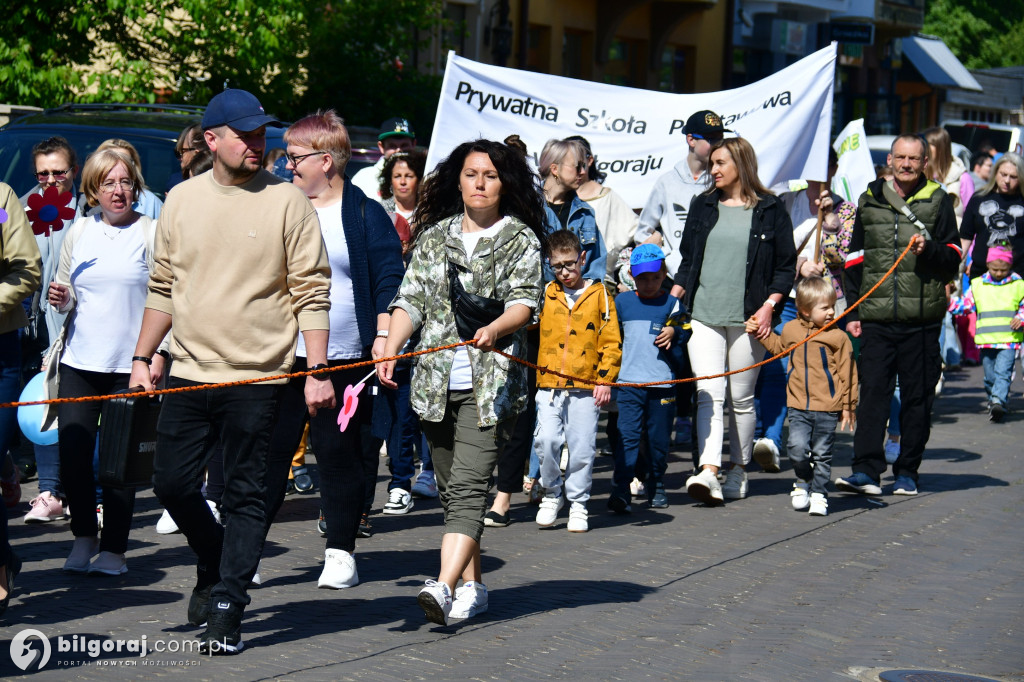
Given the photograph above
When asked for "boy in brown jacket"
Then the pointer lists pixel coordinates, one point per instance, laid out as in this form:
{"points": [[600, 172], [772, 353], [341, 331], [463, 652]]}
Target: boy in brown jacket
{"points": [[822, 390]]}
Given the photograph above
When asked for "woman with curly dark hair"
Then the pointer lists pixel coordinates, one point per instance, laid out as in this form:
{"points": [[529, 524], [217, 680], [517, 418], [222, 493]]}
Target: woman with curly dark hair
{"points": [[400, 182], [481, 221]]}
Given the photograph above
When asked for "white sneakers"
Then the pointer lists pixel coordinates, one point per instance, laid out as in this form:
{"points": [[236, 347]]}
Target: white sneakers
{"points": [[766, 453], [399, 502], [108, 563], [166, 525], [819, 505], [799, 496], [704, 487], [339, 570], [470, 600], [549, 508], [577, 519], [735, 486], [436, 601], [82, 552]]}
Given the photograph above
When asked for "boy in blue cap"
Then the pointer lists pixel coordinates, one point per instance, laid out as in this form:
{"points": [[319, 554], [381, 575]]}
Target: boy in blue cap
{"points": [[649, 318]]}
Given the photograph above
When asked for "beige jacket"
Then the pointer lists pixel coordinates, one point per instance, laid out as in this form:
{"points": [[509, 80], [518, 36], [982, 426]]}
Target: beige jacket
{"points": [[19, 261]]}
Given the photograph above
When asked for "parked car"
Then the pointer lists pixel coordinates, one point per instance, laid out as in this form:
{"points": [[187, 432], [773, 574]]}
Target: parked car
{"points": [[972, 134], [152, 128]]}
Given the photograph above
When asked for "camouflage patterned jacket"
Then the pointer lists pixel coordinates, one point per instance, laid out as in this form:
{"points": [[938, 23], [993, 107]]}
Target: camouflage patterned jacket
{"points": [[507, 267]]}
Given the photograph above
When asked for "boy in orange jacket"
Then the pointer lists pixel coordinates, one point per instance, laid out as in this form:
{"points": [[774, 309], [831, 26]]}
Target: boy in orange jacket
{"points": [[579, 336], [822, 390]]}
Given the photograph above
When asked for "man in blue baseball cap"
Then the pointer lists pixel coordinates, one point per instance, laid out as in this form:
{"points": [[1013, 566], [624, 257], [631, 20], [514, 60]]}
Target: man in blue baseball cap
{"points": [[240, 265]]}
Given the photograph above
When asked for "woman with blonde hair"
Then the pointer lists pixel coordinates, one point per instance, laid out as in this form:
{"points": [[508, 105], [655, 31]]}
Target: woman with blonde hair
{"points": [[945, 168], [738, 263], [101, 281]]}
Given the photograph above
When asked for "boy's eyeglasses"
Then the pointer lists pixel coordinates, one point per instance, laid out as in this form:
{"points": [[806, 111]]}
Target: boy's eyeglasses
{"points": [[568, 266]]}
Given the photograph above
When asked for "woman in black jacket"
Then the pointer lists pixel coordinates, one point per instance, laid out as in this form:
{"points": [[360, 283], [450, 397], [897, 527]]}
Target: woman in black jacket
{"points": [[738, 261]]}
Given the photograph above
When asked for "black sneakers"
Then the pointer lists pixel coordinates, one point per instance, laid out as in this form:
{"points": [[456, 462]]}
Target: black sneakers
{"points": [[223, 633], [199, 605]]}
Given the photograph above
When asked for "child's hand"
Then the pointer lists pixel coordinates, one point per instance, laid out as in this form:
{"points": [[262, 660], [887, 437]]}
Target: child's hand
{"points": [[846, 423], [664, 338], [602, 395], [751, 325]]}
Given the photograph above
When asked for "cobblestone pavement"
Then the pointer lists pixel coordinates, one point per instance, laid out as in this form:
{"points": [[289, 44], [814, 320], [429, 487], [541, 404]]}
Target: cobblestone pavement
{"points": [[752, 590]]}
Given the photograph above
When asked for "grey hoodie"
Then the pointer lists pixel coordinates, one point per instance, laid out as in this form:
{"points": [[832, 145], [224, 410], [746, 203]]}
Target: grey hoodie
{"points": [[666, 210]]}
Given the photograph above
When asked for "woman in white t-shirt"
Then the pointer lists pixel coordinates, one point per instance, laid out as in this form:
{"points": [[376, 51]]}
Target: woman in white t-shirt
{"points": [[101, 280]]}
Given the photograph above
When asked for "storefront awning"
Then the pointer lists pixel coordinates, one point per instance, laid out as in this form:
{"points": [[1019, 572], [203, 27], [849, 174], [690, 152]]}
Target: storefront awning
{"points": [[937, 64]]}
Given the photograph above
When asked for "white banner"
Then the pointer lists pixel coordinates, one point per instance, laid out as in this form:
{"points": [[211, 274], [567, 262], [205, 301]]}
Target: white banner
{"points": [[637, 135], [856, 169]]}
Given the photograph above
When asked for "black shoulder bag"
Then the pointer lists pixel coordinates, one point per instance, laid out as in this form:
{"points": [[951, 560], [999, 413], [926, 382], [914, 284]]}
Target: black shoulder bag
{"points": [[471, 311]]}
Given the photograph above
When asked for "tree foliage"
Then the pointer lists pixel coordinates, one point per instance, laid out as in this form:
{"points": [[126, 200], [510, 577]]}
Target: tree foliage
{"points": [[981, 34], [358, 56]]}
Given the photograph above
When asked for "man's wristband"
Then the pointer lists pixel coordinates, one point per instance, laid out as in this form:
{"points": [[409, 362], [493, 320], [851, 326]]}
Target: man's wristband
{"points": [[382, 333], [320, 377], [142, 358], [770, 303]]}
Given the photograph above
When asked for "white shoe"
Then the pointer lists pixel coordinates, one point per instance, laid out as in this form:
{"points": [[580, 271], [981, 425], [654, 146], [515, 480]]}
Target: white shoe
{"points": [[704, 487], [819, 505], [257, 579], [399, 502], [766, 453], [213, 508], [735, 486], [470, 599], [436, 601], [578, 518], [637, 488], [892, 451], [99, 517], [941, 382], [549, 508], [82, 552], [108, 563], [166, 525], [339, 570], [798, 496]]}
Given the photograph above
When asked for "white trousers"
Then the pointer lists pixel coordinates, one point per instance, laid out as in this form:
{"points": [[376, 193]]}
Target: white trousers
{"points": [[714, 350], [566, 416]]}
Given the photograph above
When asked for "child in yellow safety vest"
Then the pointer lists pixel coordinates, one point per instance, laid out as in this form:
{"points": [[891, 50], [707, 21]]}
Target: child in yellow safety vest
{"points": [[998, 298]]}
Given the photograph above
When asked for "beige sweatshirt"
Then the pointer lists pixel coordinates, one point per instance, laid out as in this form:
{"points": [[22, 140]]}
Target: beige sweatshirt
{"points": [[241, 270]]}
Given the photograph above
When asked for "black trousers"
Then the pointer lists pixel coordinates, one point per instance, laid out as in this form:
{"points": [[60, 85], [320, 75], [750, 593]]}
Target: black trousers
{"points": [[78, 424], [910, 352], [344, 458], [516, 453], [242, 417]]}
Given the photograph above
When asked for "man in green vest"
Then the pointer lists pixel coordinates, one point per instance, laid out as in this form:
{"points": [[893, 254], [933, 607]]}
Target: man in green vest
{"points": [[898, 323]]}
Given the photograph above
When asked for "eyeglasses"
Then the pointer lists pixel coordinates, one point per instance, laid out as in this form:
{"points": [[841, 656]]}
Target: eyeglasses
{"points": [[568, 266], [294, 160], [111, 187], [184, 150], [42, 176], [578, 167]]}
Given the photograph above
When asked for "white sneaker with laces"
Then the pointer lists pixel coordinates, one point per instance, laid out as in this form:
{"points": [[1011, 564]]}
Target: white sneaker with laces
{"points": [[470, 600], [818, 505], [704, 487], [766, 453], [166, 525], [549, 508], [735, 486], [399, 502], [339, 570], [798, 496], [892, 451], [82, 552], [108, 563], [578, 518], [436, 601]]}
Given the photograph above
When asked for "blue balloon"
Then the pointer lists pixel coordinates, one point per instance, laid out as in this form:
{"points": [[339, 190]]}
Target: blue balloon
{"points": [[30, 417]]}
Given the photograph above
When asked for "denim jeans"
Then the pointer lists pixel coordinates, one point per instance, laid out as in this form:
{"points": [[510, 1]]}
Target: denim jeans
{"points": [[949, 342], [48, 466], [10, 388], [401, 448], [78, 424], [341, 456], [770, 393], [811, 437], [566, 416], [998, 364], [242, 417], [413, 439], [894, 412], [643, 410]]}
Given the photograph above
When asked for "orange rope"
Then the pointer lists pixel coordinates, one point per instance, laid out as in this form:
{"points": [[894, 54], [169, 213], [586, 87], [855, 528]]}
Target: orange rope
{"points": [[543, 370]]}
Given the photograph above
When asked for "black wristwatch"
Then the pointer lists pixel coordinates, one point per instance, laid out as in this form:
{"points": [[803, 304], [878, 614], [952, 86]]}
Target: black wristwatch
{"points": [[320, 377]]}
